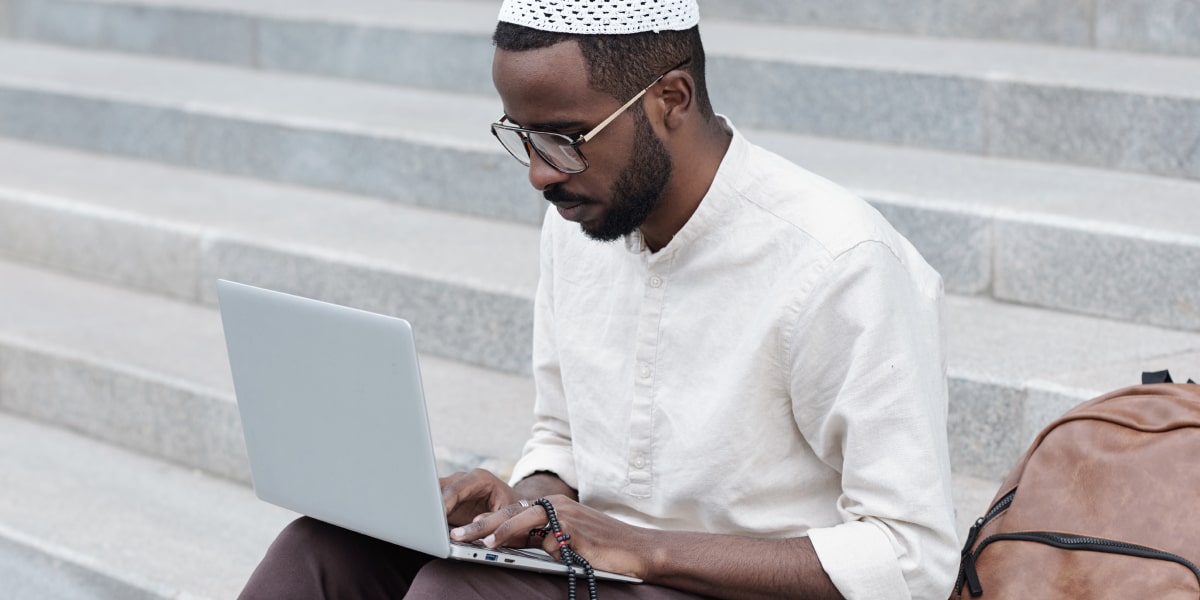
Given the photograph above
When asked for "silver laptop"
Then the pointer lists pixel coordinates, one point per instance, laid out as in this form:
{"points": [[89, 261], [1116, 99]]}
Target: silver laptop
{"points": [[334, 417]]}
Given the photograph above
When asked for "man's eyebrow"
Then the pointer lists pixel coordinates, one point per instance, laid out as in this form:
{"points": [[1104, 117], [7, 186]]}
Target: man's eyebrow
{"points": [[550, 126], [558, 125]]}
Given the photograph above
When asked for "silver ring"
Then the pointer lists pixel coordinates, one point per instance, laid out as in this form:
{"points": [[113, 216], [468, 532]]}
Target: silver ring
{"points": [[523, 502]]}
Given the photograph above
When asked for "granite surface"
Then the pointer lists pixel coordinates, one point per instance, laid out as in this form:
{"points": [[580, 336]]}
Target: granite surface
{"points": [[454, 321], [141, 254], [1130, 278], [959, 245], [31, 571], [1047, 21], [1161, 26], [373, 53], [890, 107], [983, 426], [1146, 133], [157, 30], [136, 410]]}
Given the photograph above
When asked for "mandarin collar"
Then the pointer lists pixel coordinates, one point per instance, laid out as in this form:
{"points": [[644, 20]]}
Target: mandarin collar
{"points": [[714, 204]]}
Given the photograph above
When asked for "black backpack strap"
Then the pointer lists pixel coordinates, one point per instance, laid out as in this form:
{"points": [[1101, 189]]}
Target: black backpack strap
{"points": [[1156, 377]]}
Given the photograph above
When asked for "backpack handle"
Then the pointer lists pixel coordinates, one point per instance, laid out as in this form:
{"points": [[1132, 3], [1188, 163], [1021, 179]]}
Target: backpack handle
{"points": [[1149, 377]]}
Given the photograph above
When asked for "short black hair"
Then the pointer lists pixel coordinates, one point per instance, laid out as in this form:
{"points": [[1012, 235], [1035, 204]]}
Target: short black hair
{"points": [[620, 65]]}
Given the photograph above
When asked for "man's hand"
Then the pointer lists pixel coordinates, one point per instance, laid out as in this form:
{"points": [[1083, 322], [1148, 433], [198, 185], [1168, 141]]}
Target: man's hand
{"points": [[470, 495], [608, 544], [485, 508]]}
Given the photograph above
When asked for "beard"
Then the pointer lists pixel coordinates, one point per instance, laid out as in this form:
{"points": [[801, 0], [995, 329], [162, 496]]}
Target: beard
{"points": [[636, 191]]}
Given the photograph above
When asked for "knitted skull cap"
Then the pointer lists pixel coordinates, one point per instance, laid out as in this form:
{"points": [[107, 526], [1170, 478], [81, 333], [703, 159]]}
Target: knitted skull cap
{"points": [[601, 16]]}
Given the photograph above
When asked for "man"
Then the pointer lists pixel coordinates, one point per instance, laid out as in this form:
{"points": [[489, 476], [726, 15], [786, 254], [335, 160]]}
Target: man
{"points": [[740, 382]]}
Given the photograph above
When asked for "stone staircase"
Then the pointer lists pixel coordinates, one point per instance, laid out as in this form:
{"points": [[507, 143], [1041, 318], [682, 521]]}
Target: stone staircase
{"points": [[1044, 156]]}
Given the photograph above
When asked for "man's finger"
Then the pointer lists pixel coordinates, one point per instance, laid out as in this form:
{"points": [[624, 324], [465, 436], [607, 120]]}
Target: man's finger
{"points": [[460, 488], [514, 531], [487, 525], [453, 487], [476, 529]]}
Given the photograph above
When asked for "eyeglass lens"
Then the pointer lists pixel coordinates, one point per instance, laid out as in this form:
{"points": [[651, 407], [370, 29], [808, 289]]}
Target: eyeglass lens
{"points": [[514, 143], [553, 148]]}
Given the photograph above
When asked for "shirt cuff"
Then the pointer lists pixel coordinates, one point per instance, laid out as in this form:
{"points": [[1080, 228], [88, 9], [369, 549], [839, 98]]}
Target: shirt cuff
{"points": [[859, 559], [557, 460]]}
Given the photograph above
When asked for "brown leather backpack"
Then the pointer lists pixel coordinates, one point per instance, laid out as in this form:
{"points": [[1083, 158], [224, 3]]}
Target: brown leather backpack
{"points": [[1104, 504]]}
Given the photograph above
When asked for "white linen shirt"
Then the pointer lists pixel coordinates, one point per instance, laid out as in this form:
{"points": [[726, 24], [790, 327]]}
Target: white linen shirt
{"points": [[775, 371]]}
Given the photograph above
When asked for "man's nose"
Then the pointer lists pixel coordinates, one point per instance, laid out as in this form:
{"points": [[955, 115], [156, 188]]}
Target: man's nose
{"points": [[542, 176]]}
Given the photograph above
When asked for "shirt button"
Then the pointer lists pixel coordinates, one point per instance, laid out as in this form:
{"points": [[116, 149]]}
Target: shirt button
{"points": [[644, 370], [656, 281], [639, 462]]}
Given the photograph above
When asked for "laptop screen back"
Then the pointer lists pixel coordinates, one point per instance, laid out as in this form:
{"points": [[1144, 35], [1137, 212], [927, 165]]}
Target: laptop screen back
{"points": [[334, 414]]}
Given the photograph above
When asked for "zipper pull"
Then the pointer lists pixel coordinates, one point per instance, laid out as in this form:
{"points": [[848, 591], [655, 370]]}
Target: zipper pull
{"points": [[965, 557], [972, 535], [972, 576]]}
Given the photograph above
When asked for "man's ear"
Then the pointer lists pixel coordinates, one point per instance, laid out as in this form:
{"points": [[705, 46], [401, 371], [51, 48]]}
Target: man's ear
{"points": [[677, 97]]}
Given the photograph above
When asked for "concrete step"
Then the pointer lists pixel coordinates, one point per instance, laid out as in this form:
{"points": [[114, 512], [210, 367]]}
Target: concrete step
{"points": [[1158, 26], [468, 282], [1101, 109], [150, 373], [1013, 369], [406, 145], [1066, 238], [1105, 109], [392, 41], [261, 32], [82, 520]]}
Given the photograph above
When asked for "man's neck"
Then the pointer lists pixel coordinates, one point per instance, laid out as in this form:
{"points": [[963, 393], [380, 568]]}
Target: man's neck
{"points": [[689, 185]]}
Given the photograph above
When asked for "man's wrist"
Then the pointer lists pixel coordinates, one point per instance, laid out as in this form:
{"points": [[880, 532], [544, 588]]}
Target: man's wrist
{"points": [[543, 483]]}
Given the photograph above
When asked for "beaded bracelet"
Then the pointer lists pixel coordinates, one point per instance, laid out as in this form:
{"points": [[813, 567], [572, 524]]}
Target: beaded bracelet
{"points": [[569, 556]]}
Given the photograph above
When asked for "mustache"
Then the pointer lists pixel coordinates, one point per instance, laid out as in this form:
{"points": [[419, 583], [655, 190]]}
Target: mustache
{"points": [[562, 197]]}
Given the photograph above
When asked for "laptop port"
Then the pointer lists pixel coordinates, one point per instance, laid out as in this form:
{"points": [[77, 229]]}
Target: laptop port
{"points": [[490, 557]]}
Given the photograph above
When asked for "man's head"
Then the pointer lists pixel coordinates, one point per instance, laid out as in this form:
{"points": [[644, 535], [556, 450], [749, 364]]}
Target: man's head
{"points": [[620, 64], [556, 76]]}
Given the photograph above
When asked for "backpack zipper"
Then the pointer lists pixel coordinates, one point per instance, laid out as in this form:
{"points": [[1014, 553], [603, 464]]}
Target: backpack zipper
{"points": [[1066, 542], [1000, 506]]}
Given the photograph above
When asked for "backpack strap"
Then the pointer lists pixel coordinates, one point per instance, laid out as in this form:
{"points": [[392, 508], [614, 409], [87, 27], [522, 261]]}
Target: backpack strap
{"points": [[1149, 377]]}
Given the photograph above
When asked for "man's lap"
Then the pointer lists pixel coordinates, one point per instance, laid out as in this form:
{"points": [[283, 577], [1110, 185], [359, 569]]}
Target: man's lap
{"points": [[311, 559], [452, 579]]}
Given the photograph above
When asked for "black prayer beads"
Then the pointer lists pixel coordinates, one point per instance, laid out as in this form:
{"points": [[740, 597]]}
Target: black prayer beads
{"points": [[569, 556]]}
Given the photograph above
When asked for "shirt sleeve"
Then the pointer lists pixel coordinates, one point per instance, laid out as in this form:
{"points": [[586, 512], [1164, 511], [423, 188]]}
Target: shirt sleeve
{"points": [[868, 386], [549, 447]]}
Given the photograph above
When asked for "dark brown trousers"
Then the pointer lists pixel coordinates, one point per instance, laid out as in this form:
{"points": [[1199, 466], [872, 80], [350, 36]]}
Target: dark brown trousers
{"points": [[314, 560]]}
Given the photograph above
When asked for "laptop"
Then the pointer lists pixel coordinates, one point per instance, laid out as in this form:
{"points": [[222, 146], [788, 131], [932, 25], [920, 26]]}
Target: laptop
{"points": [[334, 417]]}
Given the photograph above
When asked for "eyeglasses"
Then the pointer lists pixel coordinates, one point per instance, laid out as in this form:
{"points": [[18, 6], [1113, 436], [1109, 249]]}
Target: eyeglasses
{"points": [[558, 150]]}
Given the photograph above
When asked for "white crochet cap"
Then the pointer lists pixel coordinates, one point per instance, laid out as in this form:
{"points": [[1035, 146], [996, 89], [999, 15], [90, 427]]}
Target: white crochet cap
{"points": [[601, 16]]}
